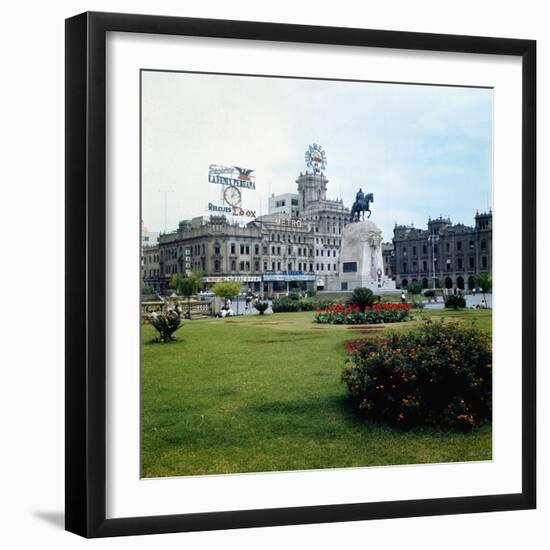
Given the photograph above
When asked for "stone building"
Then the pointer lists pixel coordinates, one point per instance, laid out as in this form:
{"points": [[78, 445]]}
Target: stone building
{"points": [[445, 255], [282, 250]]}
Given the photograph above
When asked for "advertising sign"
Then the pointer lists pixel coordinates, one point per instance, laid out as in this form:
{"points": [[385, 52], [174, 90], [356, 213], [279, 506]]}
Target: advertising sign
{"points": [[232, 175]]}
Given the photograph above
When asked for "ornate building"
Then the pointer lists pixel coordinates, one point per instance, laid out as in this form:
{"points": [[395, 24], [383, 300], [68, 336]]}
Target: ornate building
{"points": [[284, 249], [444, 255]]}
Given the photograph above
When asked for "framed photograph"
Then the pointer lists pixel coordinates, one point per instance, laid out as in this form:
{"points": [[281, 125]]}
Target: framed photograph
{"points": [[300, 277]]}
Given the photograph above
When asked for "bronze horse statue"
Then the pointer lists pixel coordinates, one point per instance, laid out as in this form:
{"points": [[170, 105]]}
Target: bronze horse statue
{"points": [[360, 206]]}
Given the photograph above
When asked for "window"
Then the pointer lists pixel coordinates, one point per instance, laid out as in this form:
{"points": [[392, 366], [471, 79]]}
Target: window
{"points": [[424, 265], [289, 267], [265, 266], [484, 262], [256, 266], [404, 251], [459, 265], [447, 247], [272, 250], [265, 249], [316, 267], [316, 252], [272, 266], [247, 249], [414, 250], [294, 202], [483, 244], [311, 267], [472, 263], [279, 204], [232, 248], [334, 266], [471, 245], [278, 266], [459, 246], [256, 249], [404, 267], [328, 267], [242, 266], [424, 249], [349, 267], [279, 250], [217, 265], [217, 249], [242, 248], [233, 265]]}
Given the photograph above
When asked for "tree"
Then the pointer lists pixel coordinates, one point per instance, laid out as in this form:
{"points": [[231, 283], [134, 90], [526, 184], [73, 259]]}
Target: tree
{"points": [[187, 286], [146, 289], [227, 289], [485, 282]]}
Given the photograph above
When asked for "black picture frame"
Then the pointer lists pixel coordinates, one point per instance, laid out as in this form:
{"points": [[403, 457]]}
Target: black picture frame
{"points": [[86, 279]]}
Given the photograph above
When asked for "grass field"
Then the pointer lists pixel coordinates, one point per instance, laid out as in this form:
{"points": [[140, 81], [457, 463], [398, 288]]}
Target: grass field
{"points": [[258, 394]]}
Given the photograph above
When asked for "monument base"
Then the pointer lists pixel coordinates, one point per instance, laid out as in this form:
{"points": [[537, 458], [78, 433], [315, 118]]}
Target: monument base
{"points": [[361, 264]]}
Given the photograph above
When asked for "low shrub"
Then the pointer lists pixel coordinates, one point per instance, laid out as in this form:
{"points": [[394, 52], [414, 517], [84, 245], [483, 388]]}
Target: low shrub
{"points": [[439, 374], [293, 295], [455, 301], [362, 297], [166, 325], [285, 305], [418, 304], [414, 287], [353, 315], [307, 304], [260, 307]]}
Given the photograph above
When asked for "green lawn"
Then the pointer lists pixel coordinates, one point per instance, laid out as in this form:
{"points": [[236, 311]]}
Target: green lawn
{"points": [[254, 394]]}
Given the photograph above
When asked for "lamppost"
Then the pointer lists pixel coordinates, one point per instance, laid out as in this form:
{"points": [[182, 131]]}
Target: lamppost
{"points": [[433, 238]]}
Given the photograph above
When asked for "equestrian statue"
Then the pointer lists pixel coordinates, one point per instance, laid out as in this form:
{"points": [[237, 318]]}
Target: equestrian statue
{"points": [[361, 205]]}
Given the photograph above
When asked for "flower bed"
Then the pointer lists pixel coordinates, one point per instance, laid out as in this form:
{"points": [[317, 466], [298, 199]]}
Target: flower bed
{"points": [[341, 314]]}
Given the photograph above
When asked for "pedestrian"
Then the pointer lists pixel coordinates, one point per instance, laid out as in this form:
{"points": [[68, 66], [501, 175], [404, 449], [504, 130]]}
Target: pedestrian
{"points": [[403, 297]]}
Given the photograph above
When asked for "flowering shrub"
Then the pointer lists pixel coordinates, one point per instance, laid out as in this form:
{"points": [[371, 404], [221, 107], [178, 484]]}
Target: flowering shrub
{"points": [[340, 314], [439, 374]]}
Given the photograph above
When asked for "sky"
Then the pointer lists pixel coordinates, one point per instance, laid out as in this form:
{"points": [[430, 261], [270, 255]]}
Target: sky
{"points": [[421, 150]]}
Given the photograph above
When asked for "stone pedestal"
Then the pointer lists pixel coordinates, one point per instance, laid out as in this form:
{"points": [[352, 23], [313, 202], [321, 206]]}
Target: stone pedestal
{"points": [[361, 263]]}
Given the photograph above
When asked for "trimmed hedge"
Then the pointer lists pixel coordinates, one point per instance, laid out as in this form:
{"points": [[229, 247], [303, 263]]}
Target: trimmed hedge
{"points": [[439, 374], [354, 315]]}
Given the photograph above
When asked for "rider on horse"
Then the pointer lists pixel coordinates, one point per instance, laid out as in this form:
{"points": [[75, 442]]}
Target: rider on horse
{"points": [[361, 205]]}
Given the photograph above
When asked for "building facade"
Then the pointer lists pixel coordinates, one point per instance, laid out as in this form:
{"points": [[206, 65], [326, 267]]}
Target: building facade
{"points": [[445, 255], [295, 246]]}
